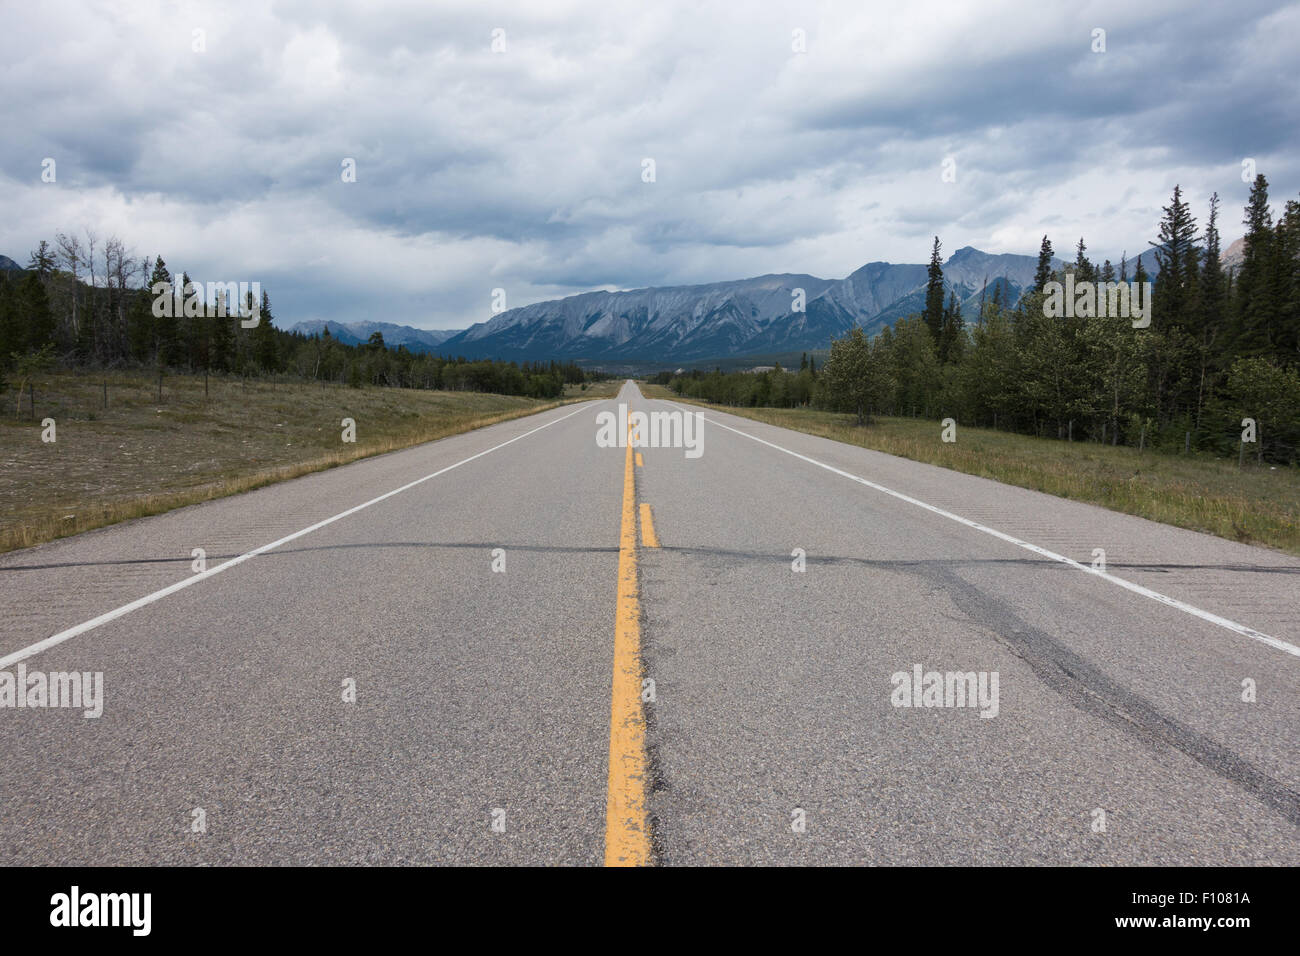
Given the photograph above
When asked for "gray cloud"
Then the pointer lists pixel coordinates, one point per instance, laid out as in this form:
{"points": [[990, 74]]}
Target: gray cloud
{"points": [[522, 169]]}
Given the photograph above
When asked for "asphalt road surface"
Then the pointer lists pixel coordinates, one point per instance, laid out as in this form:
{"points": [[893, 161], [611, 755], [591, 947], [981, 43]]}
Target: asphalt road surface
{"points": [[672, 690]]}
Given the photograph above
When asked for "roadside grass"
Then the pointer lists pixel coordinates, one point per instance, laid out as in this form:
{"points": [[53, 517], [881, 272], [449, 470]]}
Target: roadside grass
{"points": [[1255, 505], [594, 390], [141, 457]]}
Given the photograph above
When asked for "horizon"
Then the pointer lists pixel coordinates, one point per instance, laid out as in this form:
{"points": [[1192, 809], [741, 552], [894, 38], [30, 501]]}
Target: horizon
{"points": [[349, 323]]}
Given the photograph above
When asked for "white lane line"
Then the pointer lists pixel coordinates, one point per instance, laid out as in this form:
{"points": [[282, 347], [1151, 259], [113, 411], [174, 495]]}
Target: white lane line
{"points": [[113, 615], [1128, 585]]}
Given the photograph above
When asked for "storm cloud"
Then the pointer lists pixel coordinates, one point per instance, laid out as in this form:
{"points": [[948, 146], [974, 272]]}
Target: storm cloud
{"points": [[521, 167]]}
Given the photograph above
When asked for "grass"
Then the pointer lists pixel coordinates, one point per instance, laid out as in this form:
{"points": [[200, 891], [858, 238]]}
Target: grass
{"points": [[1255, 505], [139, 456]]}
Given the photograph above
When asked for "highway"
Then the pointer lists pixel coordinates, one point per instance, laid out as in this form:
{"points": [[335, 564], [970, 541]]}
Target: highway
{"points": [[563, 653]]}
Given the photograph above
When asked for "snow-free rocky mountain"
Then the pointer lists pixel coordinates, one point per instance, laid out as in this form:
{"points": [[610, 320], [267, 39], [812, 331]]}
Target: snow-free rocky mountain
{"points": [[352, 333], [747, 316]]}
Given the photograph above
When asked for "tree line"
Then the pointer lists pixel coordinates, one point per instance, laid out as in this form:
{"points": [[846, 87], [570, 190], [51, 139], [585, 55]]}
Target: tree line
{"points": [[85, 304], [1223, 345]]}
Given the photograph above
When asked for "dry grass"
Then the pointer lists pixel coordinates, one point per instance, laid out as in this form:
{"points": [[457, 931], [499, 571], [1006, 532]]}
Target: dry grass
{"points": [[1257, 504], [141, 457]]}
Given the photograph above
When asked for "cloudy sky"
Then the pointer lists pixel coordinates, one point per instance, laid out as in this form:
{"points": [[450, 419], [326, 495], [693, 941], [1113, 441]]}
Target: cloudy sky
{"points": [[523, 167]]}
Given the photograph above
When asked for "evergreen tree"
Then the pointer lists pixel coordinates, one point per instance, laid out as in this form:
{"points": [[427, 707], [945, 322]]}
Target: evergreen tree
{"points": [[1043, 274], [1282, 286], [1179, 259], [1210, 312], [1083, 268], [933, 313], [165, 328], [42, 260], [265, 352], [1253, 309], [192, 328]]}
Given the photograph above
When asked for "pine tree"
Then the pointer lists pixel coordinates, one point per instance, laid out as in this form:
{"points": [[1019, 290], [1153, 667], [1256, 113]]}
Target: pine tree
{"points": [[1253, 310], [1043, 274], [1179, 259], [1286, 285], [42, 260], [192, 328], [265, 352], [165, 327], [1212, 296], [1083, 268], [933, 313]]}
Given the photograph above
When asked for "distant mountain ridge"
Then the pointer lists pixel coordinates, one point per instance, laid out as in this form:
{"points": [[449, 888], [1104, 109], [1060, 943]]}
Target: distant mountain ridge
{"points": [[353, 333], [714, 320], [740, 317]]}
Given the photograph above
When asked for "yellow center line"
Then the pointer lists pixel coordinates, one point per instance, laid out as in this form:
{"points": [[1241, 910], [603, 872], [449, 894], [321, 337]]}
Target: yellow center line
{"points": [[627, 832], [639, 462], [648, 538]]}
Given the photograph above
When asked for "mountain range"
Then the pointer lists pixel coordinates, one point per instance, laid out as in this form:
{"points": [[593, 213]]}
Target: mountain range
{"points": [[353, 333], [741, 317], [715, 320]]}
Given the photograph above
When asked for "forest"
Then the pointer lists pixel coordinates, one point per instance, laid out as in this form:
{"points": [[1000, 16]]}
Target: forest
{"points": [[1218, 368], [83, 304]]}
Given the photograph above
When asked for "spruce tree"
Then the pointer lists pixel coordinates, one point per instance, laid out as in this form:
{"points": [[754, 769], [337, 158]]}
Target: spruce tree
{"points": [[1211, 301], [1179, 259], [933, 313], [1286, 285], [164, 327], [42, 260], [1043, 274], [1253, 310], [1083, 269], [265, 352]]}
